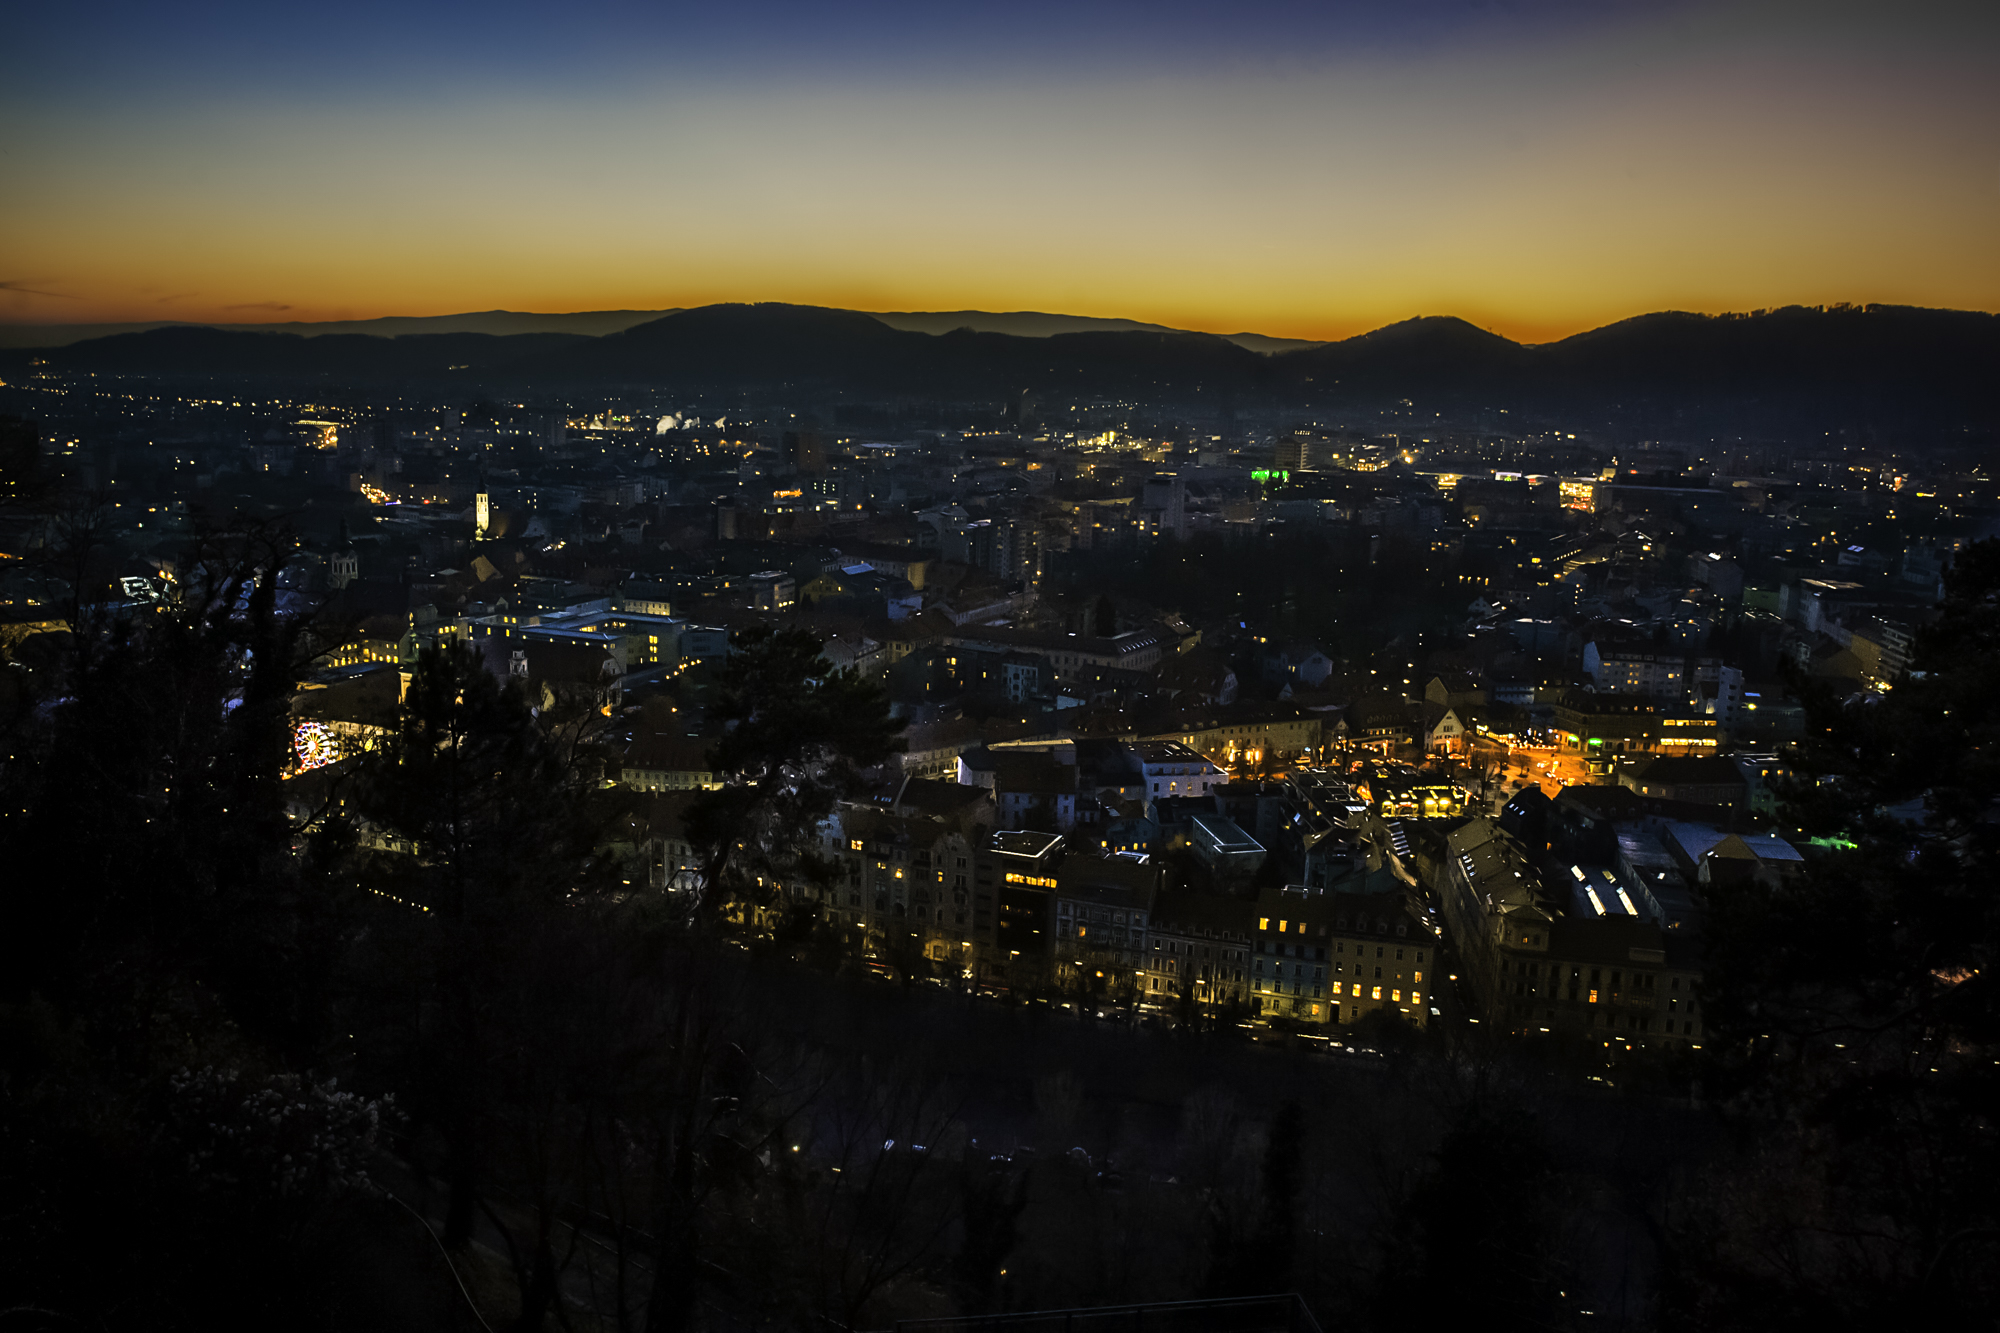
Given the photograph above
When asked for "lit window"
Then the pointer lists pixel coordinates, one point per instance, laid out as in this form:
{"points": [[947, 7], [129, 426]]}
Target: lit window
{"points": [[1378, 993], [1593, 997]]}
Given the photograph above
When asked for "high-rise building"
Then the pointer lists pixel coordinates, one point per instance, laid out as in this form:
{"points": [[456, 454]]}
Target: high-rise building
{"points": [[805, 451], [1164, 503], [1290, 453]]}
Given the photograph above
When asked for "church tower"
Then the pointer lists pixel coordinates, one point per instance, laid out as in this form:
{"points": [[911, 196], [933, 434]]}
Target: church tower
{"points": [[345, 566]]}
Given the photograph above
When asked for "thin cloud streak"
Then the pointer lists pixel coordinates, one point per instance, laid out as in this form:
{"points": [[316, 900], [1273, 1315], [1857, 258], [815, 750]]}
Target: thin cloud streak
{"points": [[32, 287]]}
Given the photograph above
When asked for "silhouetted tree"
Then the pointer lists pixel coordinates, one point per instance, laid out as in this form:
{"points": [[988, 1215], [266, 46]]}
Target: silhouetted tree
{"points": [[993, 1193], [169, 948], [797, 734], [1853, 1010], [499, 826], [1271, 1268], [1473, 1242]]}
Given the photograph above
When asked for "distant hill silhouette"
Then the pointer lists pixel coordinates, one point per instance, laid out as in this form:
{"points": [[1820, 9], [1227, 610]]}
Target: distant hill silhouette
{"points": [[1038, 324], [1935, 366], [750, 344], [597, 323], [1415, 356], [1947, 351], [227, 354], [592, 323]]}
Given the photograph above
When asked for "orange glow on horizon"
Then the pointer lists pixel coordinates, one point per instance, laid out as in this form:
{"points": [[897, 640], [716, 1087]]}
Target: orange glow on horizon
{"points": [[1331, 327], [1695, 160]]}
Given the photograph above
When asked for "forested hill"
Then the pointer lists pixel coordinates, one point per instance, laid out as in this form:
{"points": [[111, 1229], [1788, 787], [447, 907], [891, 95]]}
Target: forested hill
{"points": [[1886, 362]]}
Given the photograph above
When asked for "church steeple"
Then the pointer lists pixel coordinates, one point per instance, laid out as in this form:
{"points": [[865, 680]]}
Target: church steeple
{"points": [[345, 566]]}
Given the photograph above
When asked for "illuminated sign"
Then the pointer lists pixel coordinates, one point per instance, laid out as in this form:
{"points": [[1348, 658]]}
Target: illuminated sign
{"points": [[1035, 881], [1270, 474]]}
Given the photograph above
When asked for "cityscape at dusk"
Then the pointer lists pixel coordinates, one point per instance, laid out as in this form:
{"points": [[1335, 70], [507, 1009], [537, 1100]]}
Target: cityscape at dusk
{"points": [[1000, 668]]}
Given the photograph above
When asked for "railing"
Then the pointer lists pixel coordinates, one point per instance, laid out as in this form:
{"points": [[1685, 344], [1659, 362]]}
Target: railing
{"points": [[1285, 1313]]}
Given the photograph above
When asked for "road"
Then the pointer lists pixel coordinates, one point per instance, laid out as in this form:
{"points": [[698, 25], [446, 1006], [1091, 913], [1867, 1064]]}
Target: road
{"points": [[1542, 766]]}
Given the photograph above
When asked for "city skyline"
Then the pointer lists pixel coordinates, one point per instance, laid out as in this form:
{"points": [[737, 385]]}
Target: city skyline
{"points": [[1538, 172], [651, 678]]}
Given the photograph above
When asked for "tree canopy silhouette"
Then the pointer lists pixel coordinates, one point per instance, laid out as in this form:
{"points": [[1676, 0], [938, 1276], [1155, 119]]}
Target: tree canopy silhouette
{"points": [[797, 735]]}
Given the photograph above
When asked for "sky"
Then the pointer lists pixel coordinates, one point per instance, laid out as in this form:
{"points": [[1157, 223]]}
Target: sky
{"points": [[1315, 170]]}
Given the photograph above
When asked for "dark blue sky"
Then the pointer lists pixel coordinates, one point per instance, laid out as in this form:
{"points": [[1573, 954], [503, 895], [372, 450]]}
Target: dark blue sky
{"points": [[134, 49]]}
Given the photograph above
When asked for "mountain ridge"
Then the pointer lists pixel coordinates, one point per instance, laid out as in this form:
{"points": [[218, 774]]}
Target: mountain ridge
{"points": [[599, 323], [499, 323], [1885, 364]]}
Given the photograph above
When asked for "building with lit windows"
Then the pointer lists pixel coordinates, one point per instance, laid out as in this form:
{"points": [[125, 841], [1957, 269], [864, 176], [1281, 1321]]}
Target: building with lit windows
{"points": [[1579, 493], [1576, 951], [339, 712], [1013, 888], [1199, 954], [1318, 956], [1696, 779], [1619, 666], [1247, 733], [1075, 657], [669, 763], [643, 640], [903, 890], [1171, 768], [1597, 726], [377, 641], [1102, 908], [1684, 731]]}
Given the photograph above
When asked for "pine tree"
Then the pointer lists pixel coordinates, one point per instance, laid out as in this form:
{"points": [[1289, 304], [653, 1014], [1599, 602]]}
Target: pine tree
{"points": [[797, 736]]}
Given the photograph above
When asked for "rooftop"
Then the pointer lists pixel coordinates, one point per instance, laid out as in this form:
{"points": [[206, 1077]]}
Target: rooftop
{"points": [[1167, 752], [1024, 842], [1223, 834]]}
